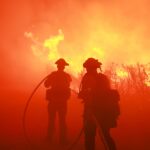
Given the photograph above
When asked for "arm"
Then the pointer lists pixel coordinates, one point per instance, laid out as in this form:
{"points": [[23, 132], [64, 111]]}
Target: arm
{"points": [[48, 81]]}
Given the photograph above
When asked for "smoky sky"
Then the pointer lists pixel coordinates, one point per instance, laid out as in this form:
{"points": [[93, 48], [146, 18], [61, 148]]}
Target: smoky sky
{"points": [[104, 22], [118, 27]]}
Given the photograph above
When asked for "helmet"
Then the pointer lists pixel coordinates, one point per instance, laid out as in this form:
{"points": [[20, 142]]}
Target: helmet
{"points": [[92, 63], [61, 62]]}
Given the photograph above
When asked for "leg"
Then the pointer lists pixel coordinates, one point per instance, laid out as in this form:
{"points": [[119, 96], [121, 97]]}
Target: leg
{"points": [[62, 123], [51, 121], [109, 140], [90, 133]]}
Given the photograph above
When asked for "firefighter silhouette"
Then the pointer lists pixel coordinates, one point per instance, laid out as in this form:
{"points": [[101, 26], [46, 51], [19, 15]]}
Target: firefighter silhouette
{"points": [[57, 94], [101, 107]]}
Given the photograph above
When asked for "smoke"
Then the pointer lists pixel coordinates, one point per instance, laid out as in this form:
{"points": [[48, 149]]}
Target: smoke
{"points": [[110, 30], [119, 29], [113, 31]]}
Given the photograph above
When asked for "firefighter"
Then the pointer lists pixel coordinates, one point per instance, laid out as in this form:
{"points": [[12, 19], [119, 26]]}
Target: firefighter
{"points": [[99, 108], [57, 94]]}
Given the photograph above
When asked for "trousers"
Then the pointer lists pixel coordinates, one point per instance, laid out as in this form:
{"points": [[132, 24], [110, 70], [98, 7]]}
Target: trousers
{"points": [[61, 109], [90, 126]]}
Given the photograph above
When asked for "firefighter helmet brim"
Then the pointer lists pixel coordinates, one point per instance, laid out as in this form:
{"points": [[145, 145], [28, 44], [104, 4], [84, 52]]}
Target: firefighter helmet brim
{"points": [[62, 62], [92, 63]]}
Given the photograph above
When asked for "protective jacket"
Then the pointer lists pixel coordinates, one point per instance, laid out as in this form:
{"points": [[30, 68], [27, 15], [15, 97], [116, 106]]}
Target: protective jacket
{"points": [[100, 99], [58, 84]]}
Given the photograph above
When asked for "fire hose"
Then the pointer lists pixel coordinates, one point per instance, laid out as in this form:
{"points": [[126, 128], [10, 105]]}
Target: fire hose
{"points": [[33, 146], [25, 112], [70, 147]]}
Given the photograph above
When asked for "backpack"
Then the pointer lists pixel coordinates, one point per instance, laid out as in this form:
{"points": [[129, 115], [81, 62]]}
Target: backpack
{"points": [[103, 100], [113, 107], [107, 108]]}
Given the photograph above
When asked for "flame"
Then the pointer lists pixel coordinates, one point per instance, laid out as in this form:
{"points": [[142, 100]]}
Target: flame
{"points": [[121, 73], [147, 82], [50, 49], [147, 73], [52, 44]]}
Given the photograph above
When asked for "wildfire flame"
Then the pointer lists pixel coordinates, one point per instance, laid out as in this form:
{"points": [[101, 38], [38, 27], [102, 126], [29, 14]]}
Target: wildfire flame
{"points": [[49, 49], [121, 73], [52, 44]]}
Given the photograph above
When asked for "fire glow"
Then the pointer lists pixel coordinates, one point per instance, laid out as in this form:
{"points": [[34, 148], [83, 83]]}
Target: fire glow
{"points": [[49, 50], [121, 73]]}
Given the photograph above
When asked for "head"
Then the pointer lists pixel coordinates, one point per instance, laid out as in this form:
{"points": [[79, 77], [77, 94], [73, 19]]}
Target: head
{"points": [[61, 63], [91, 65]]}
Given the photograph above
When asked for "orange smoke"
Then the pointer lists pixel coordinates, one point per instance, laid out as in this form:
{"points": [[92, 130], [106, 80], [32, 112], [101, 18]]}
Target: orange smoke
{"points": [[110, 34], [51, 47]]}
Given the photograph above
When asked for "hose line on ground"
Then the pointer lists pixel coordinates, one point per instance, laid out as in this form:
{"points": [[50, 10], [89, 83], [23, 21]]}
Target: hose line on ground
{"points": [[26, 108], [70, 147]]}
